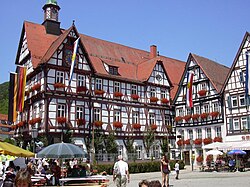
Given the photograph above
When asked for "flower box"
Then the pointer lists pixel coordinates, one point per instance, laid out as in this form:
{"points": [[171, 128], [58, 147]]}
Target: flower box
{"points": [[153, 99], [61, 120], [36, 87], [117, 124], [99, 92], [207, 141], [199, 159], [59, 85], [135, 96], [195, 116], [136, 126], [180, 142], [178, 118], [14, 127], [198, 141], [81, 89], [98, 123], [164, 101], [20, 124], [118, 94], [202, 92], [218, 139], [187, 118], [204, 115], [214, 114], [153, 127], [187, 142], [35, 120], [81, 122]]}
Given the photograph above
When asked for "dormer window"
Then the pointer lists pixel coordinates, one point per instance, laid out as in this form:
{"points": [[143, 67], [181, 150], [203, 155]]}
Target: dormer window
{"points": [[113, 70]]}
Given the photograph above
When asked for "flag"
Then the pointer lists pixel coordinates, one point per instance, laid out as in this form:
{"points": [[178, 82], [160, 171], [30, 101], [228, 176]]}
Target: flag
{"points": [[189, 94], [21, 87], [247, 86], [73, 60], [12, 112]]}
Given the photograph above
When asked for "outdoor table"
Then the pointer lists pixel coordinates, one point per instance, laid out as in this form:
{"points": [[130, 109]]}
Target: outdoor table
{"points": [[93, 178]]}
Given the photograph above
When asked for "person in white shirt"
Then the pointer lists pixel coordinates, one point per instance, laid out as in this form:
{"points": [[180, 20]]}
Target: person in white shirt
{"points": [[177, 169], [121, 173]]}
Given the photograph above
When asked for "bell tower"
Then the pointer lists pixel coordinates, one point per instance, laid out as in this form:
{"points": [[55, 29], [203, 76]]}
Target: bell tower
{"points": [[51, 15]]}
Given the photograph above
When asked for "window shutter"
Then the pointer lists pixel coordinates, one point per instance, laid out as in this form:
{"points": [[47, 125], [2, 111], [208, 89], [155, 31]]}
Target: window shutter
{"points": [[231, 124], [248, 122], [241, 77], [229, 103]]}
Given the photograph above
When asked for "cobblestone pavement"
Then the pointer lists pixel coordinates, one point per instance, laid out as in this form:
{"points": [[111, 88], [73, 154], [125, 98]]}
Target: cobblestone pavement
{"points": [[195, 178]]}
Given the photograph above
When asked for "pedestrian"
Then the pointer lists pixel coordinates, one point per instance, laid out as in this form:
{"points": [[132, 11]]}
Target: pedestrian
{"points": [[165, 170], [154, 183], [56, 171], [177, 169], [23, 178], [9, 177], [143, 183], [121, 173]]}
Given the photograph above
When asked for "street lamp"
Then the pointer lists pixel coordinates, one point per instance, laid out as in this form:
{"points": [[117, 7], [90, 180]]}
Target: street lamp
{"points": [[192, 156], [34, 134]]}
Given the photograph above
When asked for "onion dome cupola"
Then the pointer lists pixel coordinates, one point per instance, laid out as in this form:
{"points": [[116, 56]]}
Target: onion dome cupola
{"points": [[51, 15]]}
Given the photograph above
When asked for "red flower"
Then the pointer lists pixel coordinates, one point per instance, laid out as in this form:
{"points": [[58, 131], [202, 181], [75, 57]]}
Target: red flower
{"points": [[199, 159], [153, 127], [207, 141], [20, 124], [198, 141], [118, 94], [117, 124], [218, 139], [61, 120], [14, 127], [99, 92], [153, 99], [81, 89], [204, 115], [187, 118], [34, 121], [59, 85], [195, 116], [178, 118], [187, 142], [180, 142], [214, 114], [135, 96], [209, 158], [36, 87], [136, 126], [98, 123], [81, 122], [202, 92], [164, 100]]}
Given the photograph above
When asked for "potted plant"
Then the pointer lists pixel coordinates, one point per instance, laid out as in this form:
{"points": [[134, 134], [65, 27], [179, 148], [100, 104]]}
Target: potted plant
{"points": [[207, 140], [180, 142], [153, 99], [178, 118], [198, 141], [99, 92], [218, 139], [118, 94], [81, 89], [204, 115], [36, 87], [199, 159], [117, 124], [214, 114], [136, 126], [135, 96], [164, 101], [81, 122], [20, 124], [153, 127], [187, 118], [98, 123], [202, 92], [61, 120], [59, 85], [195, 116], [187, 142]]}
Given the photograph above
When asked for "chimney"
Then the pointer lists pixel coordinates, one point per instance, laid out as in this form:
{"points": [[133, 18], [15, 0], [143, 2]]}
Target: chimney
{"points": [[153, 51]]}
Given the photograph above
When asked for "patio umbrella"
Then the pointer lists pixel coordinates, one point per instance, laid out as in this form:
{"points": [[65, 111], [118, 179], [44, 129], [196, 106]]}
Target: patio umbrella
{"points": [[62, 150], [12, 150], [236, 152], [214, 152]]}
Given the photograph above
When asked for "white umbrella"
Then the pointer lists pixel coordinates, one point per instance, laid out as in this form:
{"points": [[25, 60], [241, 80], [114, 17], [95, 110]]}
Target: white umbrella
{"points": [[214, 152]]}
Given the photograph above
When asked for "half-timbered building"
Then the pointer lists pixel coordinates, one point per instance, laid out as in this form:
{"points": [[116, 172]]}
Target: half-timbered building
{"points": [[202, 122], [237, 120], [115, 88], [5, 127]]}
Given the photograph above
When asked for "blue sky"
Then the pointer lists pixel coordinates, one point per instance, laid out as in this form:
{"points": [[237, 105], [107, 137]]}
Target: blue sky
{"points": [[209, 28]]}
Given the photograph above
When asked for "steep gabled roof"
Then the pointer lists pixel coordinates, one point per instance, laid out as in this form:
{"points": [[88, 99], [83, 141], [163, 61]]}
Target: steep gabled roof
{"points": [[215, 72]]}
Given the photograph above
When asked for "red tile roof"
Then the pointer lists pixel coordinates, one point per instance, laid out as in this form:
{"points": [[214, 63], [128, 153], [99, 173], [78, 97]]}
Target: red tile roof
{"points": [[3, 117], [134, 64]]}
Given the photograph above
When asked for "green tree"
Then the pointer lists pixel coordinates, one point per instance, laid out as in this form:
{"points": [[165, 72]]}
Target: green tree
{"points": [[99, 139], [164, 145], [148, 140], [111, 145], [4, 97]]}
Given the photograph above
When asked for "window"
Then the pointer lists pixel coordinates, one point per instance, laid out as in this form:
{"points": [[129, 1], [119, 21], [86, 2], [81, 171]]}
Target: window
{"points": [[152, 92], [216, 107], [190, 134], [59, 77], [156, 152], [197, 109], [138, 149], [113, 70], [199, 133], [40, 110], [61, 110], [208, 132], [79, 112], [34, 112], [244, 123], [164, 93], [188, 111], [218, 131], [120, 149], [98, 84], [117, 115], [206, 108], [151, 119], [81, 80], [97, 114], [234, 101], [180, 112], [203, 86], [242, 100], [135, 118], [167, 120], [133, 89], [117, 87], [236, 124]]}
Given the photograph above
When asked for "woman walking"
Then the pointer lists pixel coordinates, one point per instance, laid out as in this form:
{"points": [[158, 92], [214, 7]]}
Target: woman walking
{"points": [[165, 170]]}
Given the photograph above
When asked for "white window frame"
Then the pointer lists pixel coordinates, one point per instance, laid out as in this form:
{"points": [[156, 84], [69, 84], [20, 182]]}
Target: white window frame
{"points": [[167, 119], [59, 77], [98, 84], [242, 100], [117, 115], [81, 80], [134, 89], [199, 133], [117, 87], [208, 133], [152, 92], [138, 149], [164, 93], [151, 118], [79, 112], [234, 101], [97, 114], [218, 131], [190, 134], [135, 117], [61, 110]]}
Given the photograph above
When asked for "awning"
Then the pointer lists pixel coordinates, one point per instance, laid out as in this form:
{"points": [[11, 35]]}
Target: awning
{"points": [[226, 146], [9, 149]]}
